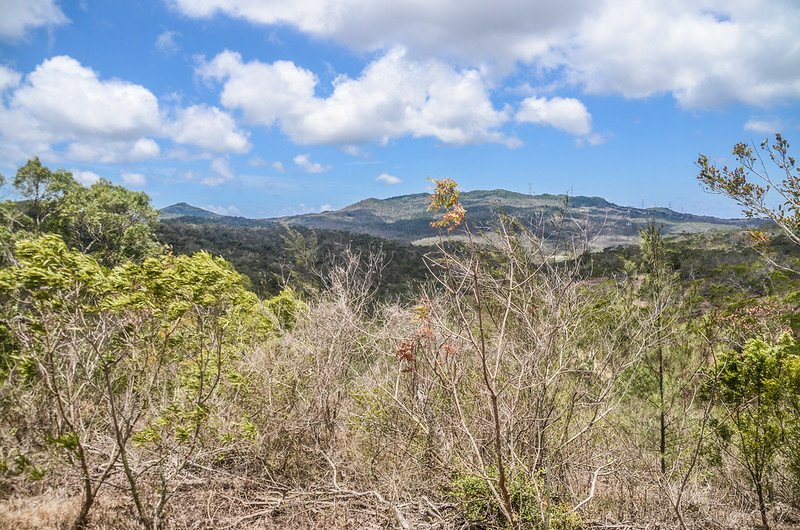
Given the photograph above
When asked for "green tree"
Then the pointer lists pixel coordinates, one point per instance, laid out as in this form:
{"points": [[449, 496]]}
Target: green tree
{"points": [[762, 177], [129, 362], [758, 389], [42, 190], [110, 222], [660, 290]]}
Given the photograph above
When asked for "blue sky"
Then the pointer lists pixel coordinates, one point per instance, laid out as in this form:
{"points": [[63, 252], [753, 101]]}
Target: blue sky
{"points": [[267, 108]]}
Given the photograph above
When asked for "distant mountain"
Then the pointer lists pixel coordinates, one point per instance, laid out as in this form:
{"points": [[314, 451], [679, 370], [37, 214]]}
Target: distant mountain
{"points": [[183, 209], [405, 218]]}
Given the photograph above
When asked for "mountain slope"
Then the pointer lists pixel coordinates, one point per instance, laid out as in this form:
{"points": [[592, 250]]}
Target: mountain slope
{"points": [[183, 209], [406, 217]]}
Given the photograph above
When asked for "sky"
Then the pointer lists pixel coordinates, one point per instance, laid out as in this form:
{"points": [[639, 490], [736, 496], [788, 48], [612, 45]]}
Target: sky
{"points": [[264, 108]]}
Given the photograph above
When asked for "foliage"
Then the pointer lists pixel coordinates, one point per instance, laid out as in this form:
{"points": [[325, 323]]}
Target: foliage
{"points": [[273, 256], [502, 380], [109, 222], [43, 191], [532, 507], [137, 353], [759, 390], [754, 185], [445, 199], [286, 307]]}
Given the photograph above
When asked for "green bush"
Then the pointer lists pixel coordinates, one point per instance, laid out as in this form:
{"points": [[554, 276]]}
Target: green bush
{"points": [[528, 499]]}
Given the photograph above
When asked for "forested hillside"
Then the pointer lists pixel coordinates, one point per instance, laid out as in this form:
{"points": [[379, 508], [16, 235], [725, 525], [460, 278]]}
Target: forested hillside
{"points": [[320, 379], [407, 219], [273, 256]]}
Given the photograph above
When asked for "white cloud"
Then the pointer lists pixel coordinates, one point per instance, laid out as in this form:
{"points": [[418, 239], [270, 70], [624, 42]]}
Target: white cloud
{"points": [[224, 210], [512, 29], [386, 178], [67, 97], [221, 173], [304, 162], [8, 78], [113, 152], [64, 109], [278, 166], [134, 179], [87, 178], [595, 139], [763, 126], [265, 92], [566, 114], [208, 128], [19, 16], [166, 43], [706, 53], [394, 96]]}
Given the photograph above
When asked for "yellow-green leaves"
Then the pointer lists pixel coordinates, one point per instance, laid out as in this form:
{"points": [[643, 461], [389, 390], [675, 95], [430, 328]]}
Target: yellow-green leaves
{"points": [[445, 200]]}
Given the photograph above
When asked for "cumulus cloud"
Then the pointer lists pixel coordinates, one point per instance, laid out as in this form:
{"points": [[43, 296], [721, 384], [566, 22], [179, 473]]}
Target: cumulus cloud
{"points": [[394, 96], [66, 96], [706, 53], [386, 178], [21, 16], [8, 78], [278, 166], [208, 128], [86, 178], [566, 114], [304, 162], [763, 126], [134, 179], [62, 101], [113, 152], [66, 109], [512, 28]]}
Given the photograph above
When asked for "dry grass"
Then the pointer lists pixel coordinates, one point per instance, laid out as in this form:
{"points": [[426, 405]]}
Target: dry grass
{"points": [[56, 510]]}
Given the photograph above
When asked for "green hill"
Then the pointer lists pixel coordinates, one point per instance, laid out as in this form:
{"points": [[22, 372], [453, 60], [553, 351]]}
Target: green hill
{"points": [[406, 218], [606, 224], [183, 209]]}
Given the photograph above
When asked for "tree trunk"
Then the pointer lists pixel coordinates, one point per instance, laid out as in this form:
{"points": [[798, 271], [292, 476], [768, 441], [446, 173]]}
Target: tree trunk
{"points": [[762, 507], [662, 407]]}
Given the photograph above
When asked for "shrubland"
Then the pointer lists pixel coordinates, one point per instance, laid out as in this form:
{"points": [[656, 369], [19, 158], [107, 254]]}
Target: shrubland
{"points": [[517, 387]]}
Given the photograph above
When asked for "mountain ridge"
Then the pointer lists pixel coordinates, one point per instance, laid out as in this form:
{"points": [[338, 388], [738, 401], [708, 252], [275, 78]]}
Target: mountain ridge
{"points": [[406, 218], [184, 209]]}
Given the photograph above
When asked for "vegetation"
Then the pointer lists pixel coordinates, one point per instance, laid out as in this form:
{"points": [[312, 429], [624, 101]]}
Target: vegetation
{"points": [[274, 256], [407, 218], [311, 378]]}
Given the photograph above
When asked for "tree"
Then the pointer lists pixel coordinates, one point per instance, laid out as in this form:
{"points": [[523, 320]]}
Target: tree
{"points": [[514, 365], [764, 175], [659, 289], [43, 190], [130, 361], [110, 222], [758, 389]]}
